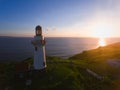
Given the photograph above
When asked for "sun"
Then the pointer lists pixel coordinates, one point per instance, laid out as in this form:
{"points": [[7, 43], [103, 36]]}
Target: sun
{"points": [[101, 42], [102, 30]]}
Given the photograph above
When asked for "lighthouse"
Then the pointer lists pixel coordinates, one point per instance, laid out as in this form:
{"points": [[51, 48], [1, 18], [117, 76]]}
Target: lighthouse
{"points": [[39, 49]]}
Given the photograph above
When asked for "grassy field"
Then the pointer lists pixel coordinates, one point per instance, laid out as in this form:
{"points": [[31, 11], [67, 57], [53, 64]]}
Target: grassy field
{"points": [[97, 59], [68, 73]]}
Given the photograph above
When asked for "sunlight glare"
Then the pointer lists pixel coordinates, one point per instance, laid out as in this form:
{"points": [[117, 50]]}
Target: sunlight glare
{"points": [[103, 30], [102, 42]]}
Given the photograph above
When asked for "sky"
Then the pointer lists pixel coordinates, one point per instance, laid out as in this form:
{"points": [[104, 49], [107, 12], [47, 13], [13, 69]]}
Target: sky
{"points": [[60, 18]]}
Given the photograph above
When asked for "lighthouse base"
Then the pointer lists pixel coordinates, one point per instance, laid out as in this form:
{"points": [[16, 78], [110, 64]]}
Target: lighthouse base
{"points": [[40, 70], [39, 73]]}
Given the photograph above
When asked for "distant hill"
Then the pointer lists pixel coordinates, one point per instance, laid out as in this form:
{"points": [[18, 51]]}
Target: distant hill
{"points": [[68, 74], [111, 51]]}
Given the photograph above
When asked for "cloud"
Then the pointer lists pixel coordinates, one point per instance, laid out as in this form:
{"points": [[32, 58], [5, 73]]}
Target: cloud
{"points": [[50, 28]]}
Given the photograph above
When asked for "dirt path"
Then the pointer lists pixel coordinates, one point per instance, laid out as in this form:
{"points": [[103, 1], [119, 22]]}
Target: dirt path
{"points": [[94, 74]]}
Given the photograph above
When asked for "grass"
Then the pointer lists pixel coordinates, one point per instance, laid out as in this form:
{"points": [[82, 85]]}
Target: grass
{"points": [[96, 59], [60, 74]]}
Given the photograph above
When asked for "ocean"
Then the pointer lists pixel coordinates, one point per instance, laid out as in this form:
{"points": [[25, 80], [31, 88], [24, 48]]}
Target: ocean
{"points": [[20, 48]]}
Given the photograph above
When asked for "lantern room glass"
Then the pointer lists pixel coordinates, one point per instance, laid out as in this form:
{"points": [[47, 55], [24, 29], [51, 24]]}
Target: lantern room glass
{"points": [[38, 31]]}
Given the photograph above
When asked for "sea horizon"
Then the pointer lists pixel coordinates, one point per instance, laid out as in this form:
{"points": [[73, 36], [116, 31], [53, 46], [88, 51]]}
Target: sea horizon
{"points": [[20, 48], [52, 37]]}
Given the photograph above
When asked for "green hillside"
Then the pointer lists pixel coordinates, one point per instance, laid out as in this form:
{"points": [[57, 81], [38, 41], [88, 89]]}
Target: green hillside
{"points": [[69, 74], [99, 59]]}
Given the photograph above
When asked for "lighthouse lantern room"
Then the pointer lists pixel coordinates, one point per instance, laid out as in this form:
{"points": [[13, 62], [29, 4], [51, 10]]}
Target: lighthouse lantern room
{"points": [[39, 50]]}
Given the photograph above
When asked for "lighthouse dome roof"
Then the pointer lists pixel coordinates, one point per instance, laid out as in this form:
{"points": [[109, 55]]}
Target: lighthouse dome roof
{"points": [[38, 27]]}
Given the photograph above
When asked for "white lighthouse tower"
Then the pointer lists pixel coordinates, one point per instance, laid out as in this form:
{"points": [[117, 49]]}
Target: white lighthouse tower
{"points": [[39, 50]]}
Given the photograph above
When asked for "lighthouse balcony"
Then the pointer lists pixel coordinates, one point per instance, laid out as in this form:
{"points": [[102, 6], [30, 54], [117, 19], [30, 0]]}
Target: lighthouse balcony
{"points": [[38, 42]]}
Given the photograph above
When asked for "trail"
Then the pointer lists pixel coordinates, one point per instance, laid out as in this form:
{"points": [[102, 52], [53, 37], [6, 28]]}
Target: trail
{"points": [[94, 74]]}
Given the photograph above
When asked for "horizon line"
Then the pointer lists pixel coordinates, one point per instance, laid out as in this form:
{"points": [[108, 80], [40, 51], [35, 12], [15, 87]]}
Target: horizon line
{"points": [[55, 37]]}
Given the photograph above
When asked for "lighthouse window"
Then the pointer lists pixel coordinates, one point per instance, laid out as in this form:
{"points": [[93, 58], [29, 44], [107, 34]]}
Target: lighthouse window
{"points": [[35, 48]]}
